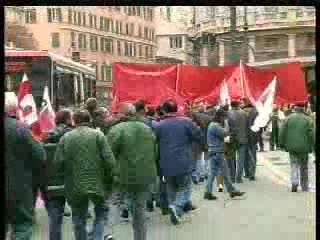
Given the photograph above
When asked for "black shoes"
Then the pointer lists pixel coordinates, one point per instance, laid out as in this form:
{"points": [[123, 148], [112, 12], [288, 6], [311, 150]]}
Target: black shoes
{"points": [[67, 214], [236, 194], [189, 207], [201, 179], [294, 188], [220, 189], [125, 213], [175, 219], [149, 206], [108, 237], [209, 196], [252, 178]]}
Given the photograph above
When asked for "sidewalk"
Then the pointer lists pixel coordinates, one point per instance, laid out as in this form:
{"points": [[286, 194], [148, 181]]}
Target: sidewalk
{"points": [[278, 163]]}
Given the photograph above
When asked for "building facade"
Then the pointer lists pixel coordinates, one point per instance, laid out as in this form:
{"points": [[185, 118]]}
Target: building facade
{"points": [[275, 35], [172, 37], [95, 36]]}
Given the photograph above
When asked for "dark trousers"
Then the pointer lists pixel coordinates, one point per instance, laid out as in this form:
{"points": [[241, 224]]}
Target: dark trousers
{"points": [[274, 139], [252, 158], [230, 155], [299, 164], [163, 196], [260, 140], [55, 208], [18, 217]]}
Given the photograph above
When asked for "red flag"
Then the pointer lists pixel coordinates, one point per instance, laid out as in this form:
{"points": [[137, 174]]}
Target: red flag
{"points": [[27, 111], [47, 115]]}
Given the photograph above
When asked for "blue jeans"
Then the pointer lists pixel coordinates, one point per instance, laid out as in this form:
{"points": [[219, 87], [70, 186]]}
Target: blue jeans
{"points": [[137, 208], [79, 217], [218, 167], [252, 152], [179, 191], [243, 156], [55, 208]]}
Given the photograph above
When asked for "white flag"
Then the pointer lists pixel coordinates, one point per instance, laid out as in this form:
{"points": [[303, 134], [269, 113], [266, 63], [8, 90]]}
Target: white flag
{"points": [[265, 106], [224, 93]]}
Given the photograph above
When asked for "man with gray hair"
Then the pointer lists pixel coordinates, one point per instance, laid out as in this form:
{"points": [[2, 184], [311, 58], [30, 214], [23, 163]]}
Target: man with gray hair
{"points": [[134, 146]]}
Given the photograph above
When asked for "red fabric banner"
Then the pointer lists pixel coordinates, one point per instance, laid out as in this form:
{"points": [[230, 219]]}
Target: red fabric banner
{"points": [[153, 83], [156, 83], [194, 81]]}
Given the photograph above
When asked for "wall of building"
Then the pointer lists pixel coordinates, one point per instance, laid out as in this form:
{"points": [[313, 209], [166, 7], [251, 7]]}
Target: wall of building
{"points": [[42, 31]]}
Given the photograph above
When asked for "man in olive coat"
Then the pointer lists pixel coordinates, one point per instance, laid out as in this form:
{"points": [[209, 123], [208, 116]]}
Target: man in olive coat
{"points": [[89, 170], [297, 138], [24, 168], [134, 146]]}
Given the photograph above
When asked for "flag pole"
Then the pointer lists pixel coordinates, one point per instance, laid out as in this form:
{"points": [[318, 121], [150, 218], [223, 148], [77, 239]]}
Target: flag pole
{"points": [[241, 78]]}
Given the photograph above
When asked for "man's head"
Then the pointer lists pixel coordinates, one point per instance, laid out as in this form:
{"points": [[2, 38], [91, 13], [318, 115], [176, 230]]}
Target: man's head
{"points": [[170, 106], [151, 112], [235, 103], [220, 115], [91, 104], [140, 107], [127, 109], [64, 117], [81, 116]]}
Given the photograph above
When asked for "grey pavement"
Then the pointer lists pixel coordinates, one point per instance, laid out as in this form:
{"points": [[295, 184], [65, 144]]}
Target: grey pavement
{"points": [[269, 211]]}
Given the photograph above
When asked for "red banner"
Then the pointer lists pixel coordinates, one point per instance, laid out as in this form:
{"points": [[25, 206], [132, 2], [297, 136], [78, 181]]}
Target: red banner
{"points": [[156, 83], [152, 83]]}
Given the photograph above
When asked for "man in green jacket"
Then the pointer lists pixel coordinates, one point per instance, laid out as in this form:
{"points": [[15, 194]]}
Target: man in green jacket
{"points": [[134, 146], [89, 168], [297, 138]]}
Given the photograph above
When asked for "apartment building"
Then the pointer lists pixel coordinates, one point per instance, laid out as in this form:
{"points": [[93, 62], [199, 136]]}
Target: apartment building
{"points": [[94, 35], [276, 35]]}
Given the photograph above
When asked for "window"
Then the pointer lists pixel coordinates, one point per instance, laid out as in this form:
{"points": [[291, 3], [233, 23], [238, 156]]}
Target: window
{"points": [[119, 48], [134, 11], [151, 15], [73, 39], [146, 51], [54, 14], [120, 26], [117, 8], [90, 20], [93, 43], [175, 42], [127, 28], [55, 40], [131, 32], [106, 45], [151, 52], [108, 73], [129, 11], [271, 42], [116, 27], [283, 15], [95, 21], [299, 12], [101, 23], [145, 33], [144, 12], [82, 41], [126, 51], [84, 19], [140, 51], [79, 18], [30, 16], [69, 16], [140, 31], [138, 11], [169, 14], [75, 18]]}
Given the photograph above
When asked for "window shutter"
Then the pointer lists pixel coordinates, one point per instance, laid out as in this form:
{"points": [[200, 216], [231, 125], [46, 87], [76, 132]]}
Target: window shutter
{"points": [[49, 14]]}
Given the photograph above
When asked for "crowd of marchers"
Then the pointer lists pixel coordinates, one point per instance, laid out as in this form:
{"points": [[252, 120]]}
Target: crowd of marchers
{"points": [[145, 157]]}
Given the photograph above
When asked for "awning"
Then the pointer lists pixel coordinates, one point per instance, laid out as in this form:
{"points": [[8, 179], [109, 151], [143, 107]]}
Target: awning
{"points": [[66, 62], [14, 67], [23, 54]]}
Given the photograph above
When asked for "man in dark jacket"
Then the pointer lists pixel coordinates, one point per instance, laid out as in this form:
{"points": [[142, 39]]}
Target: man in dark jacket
{"points": [[24, 162], [252, 141], [297, 138], [56, 198], [135, 149], [275, 122], [176, 135], [238, 122], [89, 169]]}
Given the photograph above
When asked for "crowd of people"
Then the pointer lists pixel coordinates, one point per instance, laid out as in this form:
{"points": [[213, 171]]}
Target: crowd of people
{"points": [[146, 157]]}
